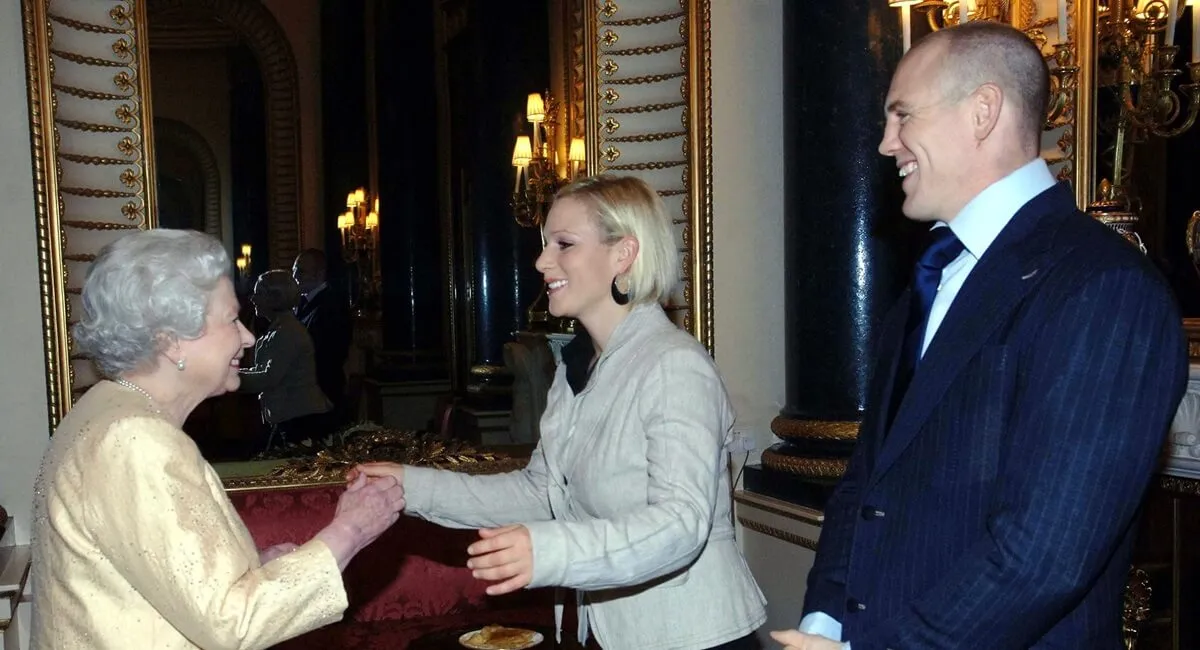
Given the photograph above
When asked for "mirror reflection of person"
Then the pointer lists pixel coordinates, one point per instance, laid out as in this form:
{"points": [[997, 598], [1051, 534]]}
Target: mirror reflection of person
{"points": [[992, 496], [284, 372], [134, 542], [626, 498], [326, 316]]}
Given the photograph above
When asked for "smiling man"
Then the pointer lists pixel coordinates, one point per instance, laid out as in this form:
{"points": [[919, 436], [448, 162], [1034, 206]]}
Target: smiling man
{"points": [[1022, 390]]}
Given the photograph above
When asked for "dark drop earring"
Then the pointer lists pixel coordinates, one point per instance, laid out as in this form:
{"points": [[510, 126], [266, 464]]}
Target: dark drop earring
{"points": [[618, 296]]}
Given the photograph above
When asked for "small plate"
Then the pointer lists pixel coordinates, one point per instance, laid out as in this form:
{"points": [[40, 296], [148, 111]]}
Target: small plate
{"points": [[462, 640]]}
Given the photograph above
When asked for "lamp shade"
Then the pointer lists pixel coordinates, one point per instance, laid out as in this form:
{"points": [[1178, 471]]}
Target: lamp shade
{"points": [[350, 200], [345, 221], [246, 250], [535, 108], [522, 152], [241, 263], [578, 152], [372, 220]]}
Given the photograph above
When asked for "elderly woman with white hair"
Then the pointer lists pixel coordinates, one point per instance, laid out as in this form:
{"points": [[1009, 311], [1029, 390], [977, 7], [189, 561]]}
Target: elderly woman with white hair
{"points": [[626, 498], [135, 543]]}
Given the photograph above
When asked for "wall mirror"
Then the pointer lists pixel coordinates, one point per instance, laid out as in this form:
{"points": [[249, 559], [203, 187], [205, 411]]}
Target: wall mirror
{"points": [[258, 121]]}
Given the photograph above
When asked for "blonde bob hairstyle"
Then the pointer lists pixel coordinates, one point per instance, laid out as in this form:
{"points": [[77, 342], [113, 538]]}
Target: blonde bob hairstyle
{"points": [[624, 206]]}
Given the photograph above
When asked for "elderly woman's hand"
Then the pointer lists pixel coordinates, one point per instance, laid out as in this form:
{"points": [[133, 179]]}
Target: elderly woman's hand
{"points": [[364, 511], [503, 555]]}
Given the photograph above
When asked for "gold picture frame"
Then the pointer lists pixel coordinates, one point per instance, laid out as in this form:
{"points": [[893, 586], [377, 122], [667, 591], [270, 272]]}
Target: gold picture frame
{"points": [[89, 99]]}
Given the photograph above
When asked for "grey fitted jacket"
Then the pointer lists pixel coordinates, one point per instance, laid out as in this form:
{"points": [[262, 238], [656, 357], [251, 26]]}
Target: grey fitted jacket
{"points": [[626, 497]]}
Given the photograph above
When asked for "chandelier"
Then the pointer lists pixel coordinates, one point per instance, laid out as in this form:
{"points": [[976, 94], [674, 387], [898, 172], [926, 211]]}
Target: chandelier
{"points": [[538, 174]]}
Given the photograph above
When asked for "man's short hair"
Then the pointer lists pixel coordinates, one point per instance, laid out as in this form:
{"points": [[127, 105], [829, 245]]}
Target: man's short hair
{"points": [[990, 52]]}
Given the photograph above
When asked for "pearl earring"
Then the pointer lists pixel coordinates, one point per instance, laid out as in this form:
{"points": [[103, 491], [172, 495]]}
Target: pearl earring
{"points": [[180, 365]]}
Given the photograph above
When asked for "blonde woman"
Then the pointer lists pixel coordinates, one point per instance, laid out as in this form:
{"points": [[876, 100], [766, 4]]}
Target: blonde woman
{"points": [[626, 499]]}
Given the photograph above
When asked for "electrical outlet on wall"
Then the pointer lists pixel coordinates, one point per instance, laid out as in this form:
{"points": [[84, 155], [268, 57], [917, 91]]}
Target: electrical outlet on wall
{"points": [[741, 442]]}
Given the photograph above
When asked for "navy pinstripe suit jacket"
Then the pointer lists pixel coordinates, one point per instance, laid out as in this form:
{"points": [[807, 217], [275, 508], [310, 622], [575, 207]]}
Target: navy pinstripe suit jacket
{"points": [[999, 509]]}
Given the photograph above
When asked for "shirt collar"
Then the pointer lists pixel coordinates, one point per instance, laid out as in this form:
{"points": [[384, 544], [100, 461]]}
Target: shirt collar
{"points": [[980, 221]]}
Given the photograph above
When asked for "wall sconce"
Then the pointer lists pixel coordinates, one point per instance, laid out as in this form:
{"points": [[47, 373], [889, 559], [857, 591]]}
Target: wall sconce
{"points": [[359, 228], [243, 262], [536, 161]]}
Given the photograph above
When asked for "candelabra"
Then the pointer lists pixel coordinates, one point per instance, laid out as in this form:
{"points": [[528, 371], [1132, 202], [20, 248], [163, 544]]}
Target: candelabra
{"points": [[538, 174], [1137, 62], [359, 228]]}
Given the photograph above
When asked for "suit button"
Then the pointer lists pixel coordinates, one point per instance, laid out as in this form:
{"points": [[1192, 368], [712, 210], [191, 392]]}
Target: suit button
{"points": [[870, 513], [853, 606]]}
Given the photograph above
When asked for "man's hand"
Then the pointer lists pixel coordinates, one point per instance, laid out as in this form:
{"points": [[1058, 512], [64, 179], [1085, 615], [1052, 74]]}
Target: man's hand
{"points": [[503, 555], [797, 640]]}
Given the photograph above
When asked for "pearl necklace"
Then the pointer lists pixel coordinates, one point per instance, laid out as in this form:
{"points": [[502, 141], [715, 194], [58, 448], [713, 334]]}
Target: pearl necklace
{"points": [[134, 387]]}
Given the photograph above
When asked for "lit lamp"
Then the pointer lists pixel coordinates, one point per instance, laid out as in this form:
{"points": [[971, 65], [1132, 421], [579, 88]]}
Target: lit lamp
{"points": [[905, 18], [243, 262], [577, 156], [536, 159], [359, 230]]}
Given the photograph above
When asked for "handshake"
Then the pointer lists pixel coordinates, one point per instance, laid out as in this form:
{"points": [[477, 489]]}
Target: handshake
{"points": [[372, 502]]}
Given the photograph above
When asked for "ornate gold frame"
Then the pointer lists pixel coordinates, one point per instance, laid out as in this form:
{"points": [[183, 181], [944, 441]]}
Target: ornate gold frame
{"points": [[653, 105], [92, 150], [93, 144]]}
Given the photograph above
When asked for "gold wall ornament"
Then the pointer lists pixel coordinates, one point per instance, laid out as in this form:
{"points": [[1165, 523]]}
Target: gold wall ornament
{"points": [[664, 46], [94, 116]]}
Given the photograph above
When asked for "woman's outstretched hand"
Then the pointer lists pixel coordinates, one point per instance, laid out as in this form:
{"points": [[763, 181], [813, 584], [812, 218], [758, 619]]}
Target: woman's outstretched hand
{"points": [[502, 555]]}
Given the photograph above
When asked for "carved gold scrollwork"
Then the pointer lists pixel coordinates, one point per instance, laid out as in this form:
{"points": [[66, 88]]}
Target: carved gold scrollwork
{"points": [[85, 27], [646, 79], [611, 96], [647, 108], [91, 160], [611, 125], [85, 93], [649, 137], [89, 126], [86, 60], [647, 49], [644, 166], [648, 20], [609, 9], [94, 193], [610, 67]]}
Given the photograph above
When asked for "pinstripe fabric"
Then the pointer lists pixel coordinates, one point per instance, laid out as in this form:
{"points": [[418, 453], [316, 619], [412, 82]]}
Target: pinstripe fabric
{"points": [[1011, 478]]}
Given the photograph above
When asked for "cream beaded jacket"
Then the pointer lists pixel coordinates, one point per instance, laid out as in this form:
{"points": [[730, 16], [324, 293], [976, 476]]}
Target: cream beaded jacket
{"points": [[136, 545]]}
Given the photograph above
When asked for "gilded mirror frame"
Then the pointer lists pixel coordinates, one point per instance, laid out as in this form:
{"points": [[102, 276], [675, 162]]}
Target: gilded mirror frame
{"points": [[640, 91]]}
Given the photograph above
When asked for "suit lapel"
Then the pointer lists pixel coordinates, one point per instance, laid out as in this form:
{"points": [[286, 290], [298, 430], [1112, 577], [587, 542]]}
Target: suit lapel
{"points": [[996, 287]]}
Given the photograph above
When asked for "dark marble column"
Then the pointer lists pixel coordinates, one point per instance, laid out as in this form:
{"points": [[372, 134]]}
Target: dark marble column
{"points": [[846, 242]]}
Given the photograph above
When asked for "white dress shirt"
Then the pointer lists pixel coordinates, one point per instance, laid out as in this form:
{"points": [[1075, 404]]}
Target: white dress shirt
{"points": [[977, 225]]}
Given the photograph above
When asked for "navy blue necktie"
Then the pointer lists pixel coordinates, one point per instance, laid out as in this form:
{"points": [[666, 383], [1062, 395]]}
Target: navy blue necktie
{"points": [[943, 248]]}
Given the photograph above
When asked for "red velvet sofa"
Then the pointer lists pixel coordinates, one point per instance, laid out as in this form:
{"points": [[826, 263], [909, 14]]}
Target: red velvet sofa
{"points": [[411, 582]]}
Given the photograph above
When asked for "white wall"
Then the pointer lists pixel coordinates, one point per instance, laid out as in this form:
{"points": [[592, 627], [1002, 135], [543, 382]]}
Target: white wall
{"points": [[24, 427], [747, 117]]}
